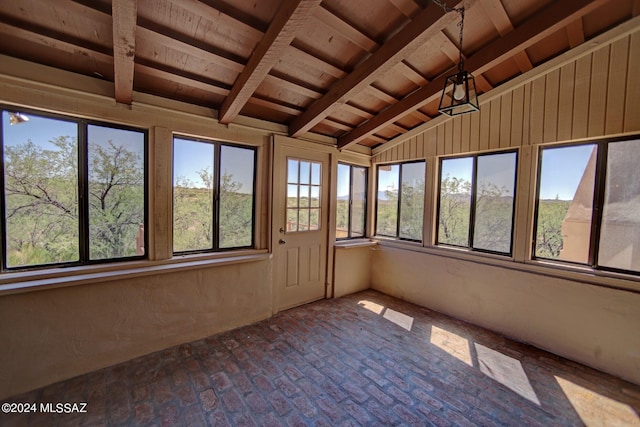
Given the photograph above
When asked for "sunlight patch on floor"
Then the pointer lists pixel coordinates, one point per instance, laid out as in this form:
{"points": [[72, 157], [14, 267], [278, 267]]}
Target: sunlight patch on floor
{"points": [[453, 344], [595, 409], [400, 319], [506, 370], [371, 306]]}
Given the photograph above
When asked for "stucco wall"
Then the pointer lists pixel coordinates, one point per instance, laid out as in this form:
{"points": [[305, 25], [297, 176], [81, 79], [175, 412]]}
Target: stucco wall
{"points": [[594, 325], [351, 269], [51, 335]]}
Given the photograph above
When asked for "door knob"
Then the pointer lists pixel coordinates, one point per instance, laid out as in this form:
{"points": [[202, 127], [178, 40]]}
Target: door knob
{"points": [[282, 242]]}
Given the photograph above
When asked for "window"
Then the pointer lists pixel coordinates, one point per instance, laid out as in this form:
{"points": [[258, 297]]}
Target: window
{"points": [[74, 191], [400, 200], [213, 196], [588, 206], [351, 206], [476, 202], [304, 187]]}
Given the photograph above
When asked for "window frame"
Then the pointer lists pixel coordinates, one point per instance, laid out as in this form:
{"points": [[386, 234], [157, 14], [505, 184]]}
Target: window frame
{"points": [[217, 158], [473, 205], [399, 203], [350, 200], [83, 185], [598, 204]]}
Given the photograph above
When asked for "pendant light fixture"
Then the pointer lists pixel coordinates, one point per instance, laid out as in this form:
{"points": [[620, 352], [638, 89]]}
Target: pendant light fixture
{"points": [[459, 93]]}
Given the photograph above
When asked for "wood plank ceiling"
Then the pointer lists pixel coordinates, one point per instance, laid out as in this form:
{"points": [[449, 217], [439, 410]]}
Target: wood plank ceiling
{"points": [[362, 71]]}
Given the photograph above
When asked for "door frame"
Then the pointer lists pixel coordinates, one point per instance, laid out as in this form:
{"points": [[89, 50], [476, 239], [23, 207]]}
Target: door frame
{"points": [[280, 143]]}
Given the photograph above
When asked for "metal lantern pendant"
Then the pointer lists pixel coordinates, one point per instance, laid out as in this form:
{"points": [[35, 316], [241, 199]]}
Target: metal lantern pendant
{"points": [[459, 93]]}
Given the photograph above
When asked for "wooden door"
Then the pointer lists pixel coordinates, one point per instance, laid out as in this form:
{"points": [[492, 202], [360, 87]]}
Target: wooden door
{"points": [[301, 189]]}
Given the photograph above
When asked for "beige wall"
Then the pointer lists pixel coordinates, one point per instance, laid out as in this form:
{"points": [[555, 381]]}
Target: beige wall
{"points": [[589, 92], [52, 335], [352, 271], [590, 324]]}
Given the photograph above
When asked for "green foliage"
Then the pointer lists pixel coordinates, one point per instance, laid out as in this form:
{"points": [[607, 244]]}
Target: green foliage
{"points": [[412, 210], [551, 214], [387, 213], [455, 204], [493, 218], [193, 214], [42, 200]]}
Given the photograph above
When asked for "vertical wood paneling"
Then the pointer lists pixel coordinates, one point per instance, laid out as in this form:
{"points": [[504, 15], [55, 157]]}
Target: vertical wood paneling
{"points": [[505, 120], [465, 135], [485, 123], [413, 148], [537, 109], [526, 115], [552, 86], [517, 110], [565, 101], [405, 153], [598, 95], [394, 154], [457, 134], [632, 106], [420, 145], [440, 140], [581, 97], [618, 62], [474, 137], [448, 137], [431, 142], [494, 124]]}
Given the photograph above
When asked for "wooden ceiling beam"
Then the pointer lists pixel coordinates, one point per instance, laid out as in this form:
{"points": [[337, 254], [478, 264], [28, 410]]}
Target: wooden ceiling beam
{"points": [[500, 19], [124, 14], [345, 29], [411, 37], [291, 16], [541, 24], [575, 32]]}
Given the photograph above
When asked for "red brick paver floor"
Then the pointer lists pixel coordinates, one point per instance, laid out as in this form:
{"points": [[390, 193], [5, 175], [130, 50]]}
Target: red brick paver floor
{"points": [[364, 359]]}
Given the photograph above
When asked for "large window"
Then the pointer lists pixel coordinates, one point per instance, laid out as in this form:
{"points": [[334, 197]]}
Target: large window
{"points": [[351, 206], [74, 191], [476, 202], [588, 207], [400, 200], [213, 196]]}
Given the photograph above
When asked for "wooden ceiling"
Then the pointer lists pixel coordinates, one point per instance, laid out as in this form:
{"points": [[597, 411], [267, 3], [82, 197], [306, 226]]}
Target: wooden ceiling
{"points": [[362, 71]]}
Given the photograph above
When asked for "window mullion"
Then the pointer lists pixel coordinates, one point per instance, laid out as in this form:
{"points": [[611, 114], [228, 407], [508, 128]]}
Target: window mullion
{"points": [[83, 191], [215, 238], [399, 210], [472, 208], [598, 202], [350, 205]]}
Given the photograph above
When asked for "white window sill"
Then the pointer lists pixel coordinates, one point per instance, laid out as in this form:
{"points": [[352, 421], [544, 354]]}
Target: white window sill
{"points": [[355, 243], [29, 281]]}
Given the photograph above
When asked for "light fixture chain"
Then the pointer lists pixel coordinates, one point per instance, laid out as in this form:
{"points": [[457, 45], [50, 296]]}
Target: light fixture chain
{"points": [[460, 10]]}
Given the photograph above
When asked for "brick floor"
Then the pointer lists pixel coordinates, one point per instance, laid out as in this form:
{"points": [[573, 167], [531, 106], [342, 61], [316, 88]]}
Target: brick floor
{"points": [[345, 362]]}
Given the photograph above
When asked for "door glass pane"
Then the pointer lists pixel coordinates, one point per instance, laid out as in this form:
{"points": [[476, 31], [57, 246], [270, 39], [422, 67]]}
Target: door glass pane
{"points": [[41, 190], [305, 172], [495, 188], [412, 200], [116, 192], [302, 194], [192, 195], [236, 197], [387, 200], [565, 203], [620, 232], [314, 219], [455, 201]]}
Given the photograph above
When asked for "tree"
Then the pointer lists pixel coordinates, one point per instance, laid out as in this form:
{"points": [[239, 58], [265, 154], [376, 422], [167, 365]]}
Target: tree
{"points": [[551, 214], [116, 200], [453, 218], [42, 202]]}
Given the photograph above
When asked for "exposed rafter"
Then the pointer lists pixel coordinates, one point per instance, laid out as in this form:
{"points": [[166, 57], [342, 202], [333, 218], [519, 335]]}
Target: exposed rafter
{"points": [[542, 24], [291, 16], [411, 37], [124, 13]]}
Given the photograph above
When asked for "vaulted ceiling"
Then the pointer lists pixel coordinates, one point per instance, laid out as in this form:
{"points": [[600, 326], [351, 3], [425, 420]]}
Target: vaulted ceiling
{"points": [[362, 71]]}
